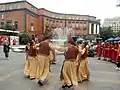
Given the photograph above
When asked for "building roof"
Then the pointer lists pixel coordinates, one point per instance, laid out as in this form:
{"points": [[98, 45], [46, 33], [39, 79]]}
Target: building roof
{"points": [[45, 9]]}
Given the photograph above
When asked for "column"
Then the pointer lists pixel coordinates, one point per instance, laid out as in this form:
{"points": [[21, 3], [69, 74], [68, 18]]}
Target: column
{"points": [[94, 31], [98, 29], [90, 28]]}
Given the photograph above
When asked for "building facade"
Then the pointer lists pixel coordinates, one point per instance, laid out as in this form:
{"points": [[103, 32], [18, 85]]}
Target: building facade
{"points": [[114, 23], [25, 17]]}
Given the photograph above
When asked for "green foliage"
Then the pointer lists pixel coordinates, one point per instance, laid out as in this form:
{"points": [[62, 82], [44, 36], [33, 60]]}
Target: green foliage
{"points": [[118, 33], [7, 27], [106, 32], [24, 38]]}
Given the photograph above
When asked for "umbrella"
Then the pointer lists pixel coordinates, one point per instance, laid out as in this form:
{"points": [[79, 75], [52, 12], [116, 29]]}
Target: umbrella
{"points": [[117, 38], [80, 40], [110, 39]]}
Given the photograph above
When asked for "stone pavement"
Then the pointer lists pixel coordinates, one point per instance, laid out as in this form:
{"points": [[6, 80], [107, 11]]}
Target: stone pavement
{"points": [[103, 75]]}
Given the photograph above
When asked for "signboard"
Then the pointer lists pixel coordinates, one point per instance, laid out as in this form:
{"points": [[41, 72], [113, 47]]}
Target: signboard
{"points": [[14, 40]]}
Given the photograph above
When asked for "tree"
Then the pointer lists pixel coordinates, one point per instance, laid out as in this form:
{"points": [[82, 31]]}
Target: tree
{"points": [[106, 32], [118, 34], [24, 38], [7, 27]]}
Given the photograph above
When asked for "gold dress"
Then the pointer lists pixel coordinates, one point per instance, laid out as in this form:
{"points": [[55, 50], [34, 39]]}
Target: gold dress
{"points": [[31, 62], [82, 68], [27, 63], [69, 68], [43, 60]]}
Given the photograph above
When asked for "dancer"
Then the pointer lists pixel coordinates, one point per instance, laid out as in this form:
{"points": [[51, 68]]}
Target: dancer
{"points": [[83, 71], [32, 57], [27, 62], [118, 57], [44, 59], [69, 66]]}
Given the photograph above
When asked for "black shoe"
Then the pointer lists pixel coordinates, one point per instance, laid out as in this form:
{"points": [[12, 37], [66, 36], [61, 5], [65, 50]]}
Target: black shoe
{"points": [[53, 63], [79, 81], [69, 86], [40, 83], [32, 78], [64, 86]]}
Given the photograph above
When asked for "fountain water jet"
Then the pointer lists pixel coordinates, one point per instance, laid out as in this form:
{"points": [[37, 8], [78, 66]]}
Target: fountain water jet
{"points": [[63, 33]]}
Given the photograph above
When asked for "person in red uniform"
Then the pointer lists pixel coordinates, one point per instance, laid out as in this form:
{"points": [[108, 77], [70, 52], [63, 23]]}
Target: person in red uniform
{"points": [[115, 51], [118, 57], [105, 50], [110, 50], [99, 50]]}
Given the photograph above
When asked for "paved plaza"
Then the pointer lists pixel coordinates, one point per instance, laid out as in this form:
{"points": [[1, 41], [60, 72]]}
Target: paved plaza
{"points": [[103, 75]]}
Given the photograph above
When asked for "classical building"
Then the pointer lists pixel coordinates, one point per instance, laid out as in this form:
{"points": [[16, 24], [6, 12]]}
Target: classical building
{"points": [[114, 23], [25, 17]]}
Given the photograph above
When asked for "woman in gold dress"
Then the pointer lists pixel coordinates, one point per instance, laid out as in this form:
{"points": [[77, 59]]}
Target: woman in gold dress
{"points": [[69, 66], [32, 58], [44, 60], [82, 69], [27, 62]]}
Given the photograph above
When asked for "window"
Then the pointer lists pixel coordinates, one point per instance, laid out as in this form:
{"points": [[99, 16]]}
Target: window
{"points": [[81, 28], [47, 19], [61, 21], [57, 21], [73, 24], [84, 28], [2, 16], [69, 22], [69, 18], [77, 24], [9, 23], [81, 22], [16, 24], [53, 21], [84, 22], [2, 24], [32, 27], [10, 7]]}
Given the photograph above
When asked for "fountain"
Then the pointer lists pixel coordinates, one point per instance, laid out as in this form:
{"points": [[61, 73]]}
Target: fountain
{"points": [[62, 33]]}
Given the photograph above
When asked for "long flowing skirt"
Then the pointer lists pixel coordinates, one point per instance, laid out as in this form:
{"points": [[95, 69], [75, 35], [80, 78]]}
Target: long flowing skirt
{"points": [[43, 67], [31, 66], [83, 71], [27, 68], [69, 73]]}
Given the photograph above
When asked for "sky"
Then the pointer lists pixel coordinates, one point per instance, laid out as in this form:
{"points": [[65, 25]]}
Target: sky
{"points": [[99, 8]]}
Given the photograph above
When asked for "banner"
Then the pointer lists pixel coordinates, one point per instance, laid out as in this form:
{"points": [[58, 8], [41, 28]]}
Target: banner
{"points": [[14, 40]]}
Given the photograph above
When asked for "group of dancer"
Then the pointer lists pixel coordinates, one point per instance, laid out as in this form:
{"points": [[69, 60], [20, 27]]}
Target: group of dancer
{"points": [[110, 51], [75, 66]]}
